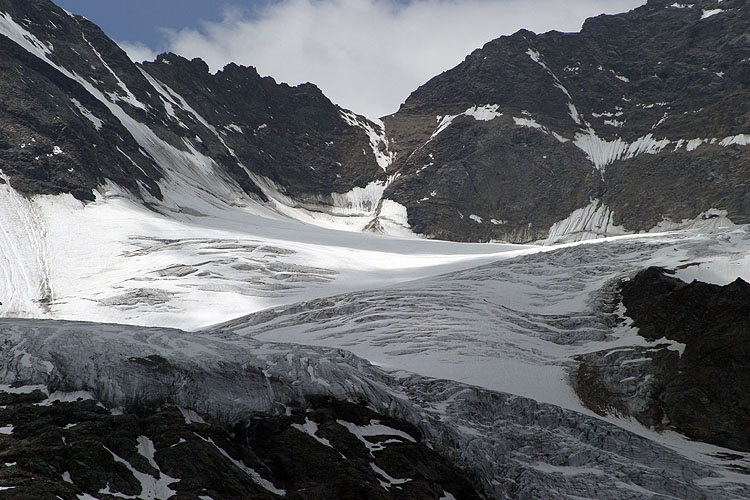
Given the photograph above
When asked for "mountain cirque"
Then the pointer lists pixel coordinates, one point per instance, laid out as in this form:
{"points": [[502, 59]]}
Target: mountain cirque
{"points": [[638, 122], [159, 195]]}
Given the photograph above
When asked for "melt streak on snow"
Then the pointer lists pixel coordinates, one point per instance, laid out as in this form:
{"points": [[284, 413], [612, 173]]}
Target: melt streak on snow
{"points": [[596, 220], [24, 285], [590, 222]]}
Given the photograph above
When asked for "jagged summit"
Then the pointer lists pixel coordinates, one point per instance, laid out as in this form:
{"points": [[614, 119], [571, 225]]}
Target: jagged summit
{"points": [[638, 122], [640, 118]]}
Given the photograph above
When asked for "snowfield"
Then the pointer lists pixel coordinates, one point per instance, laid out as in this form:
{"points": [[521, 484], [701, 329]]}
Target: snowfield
{"points": [[475, 343], [116, 261]]}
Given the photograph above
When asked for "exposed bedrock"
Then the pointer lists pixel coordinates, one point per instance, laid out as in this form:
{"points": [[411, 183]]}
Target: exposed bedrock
{"points": [[695, 377]]}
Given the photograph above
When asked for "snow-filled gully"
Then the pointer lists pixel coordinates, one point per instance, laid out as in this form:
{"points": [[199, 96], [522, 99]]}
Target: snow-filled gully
{"points": [[23, 260]]}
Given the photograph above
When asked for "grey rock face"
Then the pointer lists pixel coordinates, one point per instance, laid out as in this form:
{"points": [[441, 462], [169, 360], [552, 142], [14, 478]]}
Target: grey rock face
{"points": [[700, 388], [293, 136], [644, 113], [42, 108], [76, 112], [603, 114]]}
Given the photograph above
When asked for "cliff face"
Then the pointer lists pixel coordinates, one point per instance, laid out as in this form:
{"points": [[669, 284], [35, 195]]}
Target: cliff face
{"points": [[76, 113], [641, 116]]}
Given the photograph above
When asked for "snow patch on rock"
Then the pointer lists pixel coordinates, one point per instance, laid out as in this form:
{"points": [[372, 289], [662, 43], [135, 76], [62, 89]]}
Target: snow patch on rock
{"points": [[88, 114], [387, 482], [251, 473], [531, 123], [11, 29], [602, 152], [311, 429], [739, 140], [595, 220], [486, 112], [152, 488], [375, 130], [711, 12]]}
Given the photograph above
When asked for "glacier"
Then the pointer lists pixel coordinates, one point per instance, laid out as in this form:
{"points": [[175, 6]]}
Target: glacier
{"points": [[227, 307], [474, 344]]}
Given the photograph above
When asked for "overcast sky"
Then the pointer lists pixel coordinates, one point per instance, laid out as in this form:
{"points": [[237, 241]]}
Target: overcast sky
{"points": [[366, 55]]}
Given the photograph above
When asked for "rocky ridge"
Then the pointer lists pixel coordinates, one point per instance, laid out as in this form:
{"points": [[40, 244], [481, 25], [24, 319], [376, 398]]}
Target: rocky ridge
{"points": [[638, 122], [78, 114], [693, 379], [639, 119]]}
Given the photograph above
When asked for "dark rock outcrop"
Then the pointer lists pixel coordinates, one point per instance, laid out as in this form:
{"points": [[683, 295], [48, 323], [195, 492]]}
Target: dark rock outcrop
{"points": [[294, 136], [605, 114], [69, 449], [47, 143], [73, 107], [702, 391]]}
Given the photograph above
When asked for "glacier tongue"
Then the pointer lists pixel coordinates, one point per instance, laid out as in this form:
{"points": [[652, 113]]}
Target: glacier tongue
{"points": [[226, 378], [515, 447]]}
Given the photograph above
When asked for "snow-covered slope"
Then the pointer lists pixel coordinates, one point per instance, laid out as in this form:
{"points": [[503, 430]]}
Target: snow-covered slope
{"points": [[510, 329], [509, 321], [513, 325], [114, 260]]}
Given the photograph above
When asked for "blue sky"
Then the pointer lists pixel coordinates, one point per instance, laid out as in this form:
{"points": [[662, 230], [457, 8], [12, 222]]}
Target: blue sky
{"points": [[143, 20], [366, 55]]}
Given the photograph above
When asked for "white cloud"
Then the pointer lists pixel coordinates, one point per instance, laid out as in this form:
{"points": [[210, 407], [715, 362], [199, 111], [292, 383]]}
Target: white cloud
{"points": [[368, 55], [137, 52]]}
